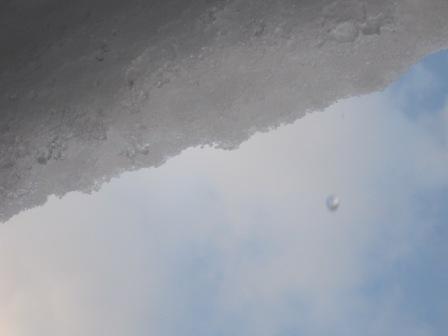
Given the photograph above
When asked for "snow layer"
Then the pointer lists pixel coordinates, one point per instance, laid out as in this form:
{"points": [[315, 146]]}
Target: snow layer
{"points": [[90, 89]]}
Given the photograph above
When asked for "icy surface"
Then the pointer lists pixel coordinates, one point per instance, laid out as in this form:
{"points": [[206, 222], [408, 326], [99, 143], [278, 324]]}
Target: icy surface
{"points": [[93, 89]]}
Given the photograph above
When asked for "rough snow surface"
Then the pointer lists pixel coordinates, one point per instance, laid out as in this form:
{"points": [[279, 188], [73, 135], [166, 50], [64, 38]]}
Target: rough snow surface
{"points": [[90, 89]]}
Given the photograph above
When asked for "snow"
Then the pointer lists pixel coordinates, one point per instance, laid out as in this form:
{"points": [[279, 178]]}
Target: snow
{"points": [[93, 89]]}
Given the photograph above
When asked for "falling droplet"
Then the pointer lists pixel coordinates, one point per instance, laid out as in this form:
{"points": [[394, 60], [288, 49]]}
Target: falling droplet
{"points": [[333, 202]]}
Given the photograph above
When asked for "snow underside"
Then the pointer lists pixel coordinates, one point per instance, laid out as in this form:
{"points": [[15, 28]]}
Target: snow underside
{"points": [[90, 89]]}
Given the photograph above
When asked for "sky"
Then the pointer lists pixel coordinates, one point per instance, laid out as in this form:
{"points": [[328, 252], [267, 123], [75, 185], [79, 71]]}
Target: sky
{"points": [[220, 242]]}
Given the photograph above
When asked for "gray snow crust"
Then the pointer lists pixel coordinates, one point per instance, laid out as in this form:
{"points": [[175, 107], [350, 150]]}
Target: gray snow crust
{"points": [[91, 89]]}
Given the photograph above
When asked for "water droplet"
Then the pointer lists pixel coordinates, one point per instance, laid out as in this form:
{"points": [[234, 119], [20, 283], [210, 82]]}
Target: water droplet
{"points": [[333, 202]]}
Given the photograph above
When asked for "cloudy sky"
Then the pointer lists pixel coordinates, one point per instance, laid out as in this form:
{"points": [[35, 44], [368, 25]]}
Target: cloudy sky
{"points": [[240, 242]]}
